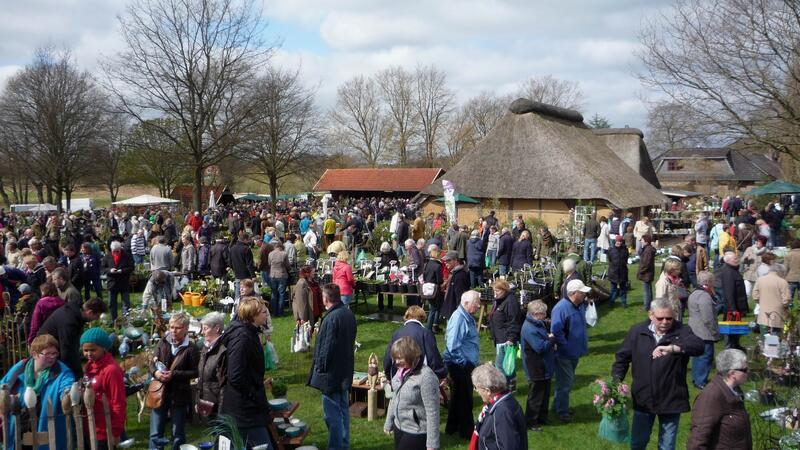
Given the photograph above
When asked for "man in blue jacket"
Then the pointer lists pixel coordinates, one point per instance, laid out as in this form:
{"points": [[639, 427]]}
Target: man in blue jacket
{"points": [[504, 248], [572, 342], [461, 355]]}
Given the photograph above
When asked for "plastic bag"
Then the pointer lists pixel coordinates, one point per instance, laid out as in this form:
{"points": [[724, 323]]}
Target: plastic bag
{"points": [[301, 338], [615, 428], [591, 315], [269, 357], [510, 360]]}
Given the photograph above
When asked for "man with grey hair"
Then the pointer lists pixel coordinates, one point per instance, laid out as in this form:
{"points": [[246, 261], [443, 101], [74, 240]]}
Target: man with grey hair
{"points": [[734, 294], [657, 351], [461, 355], [118, 266], [569, 332]]}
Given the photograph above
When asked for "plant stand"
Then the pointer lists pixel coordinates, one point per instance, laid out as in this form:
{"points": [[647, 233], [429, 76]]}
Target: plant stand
{"points": [[278, 417]]}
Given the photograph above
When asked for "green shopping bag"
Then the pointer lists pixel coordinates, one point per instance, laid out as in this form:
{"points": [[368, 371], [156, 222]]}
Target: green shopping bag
{"points": [[510, 360], [269, 358]]}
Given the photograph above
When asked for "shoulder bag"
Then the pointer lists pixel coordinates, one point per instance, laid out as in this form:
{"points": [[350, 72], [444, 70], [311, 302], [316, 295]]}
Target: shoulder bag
{"points": [[155, 390]]}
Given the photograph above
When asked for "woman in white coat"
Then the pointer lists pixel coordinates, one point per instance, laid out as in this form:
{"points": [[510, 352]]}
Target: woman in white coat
{"points": [[603, 241]]}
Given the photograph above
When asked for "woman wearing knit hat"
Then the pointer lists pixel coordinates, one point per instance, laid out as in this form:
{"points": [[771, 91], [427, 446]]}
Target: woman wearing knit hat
{"points": [[106, 378]]}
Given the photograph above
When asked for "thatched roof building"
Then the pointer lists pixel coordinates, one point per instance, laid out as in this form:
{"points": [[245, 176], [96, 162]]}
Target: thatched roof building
{"points": [[540, 159]]}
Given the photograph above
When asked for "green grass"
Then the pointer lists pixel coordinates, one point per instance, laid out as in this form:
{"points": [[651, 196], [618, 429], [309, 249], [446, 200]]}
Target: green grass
{"points": [[373, 336]]}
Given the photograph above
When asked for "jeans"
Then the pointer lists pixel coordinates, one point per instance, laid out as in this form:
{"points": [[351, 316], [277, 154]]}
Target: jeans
{"points": [[265, 279], [112, 302], [158, 421], [503, 269], [475, 277], [237, 289], [93, 283], [433, 316], [589, 250], [336, 413], [647, 286], [255, 436], [400, 250], [565, 377], [701, 365], [643, 424], [618, 290], [346, 299], [278, 299], [492, 254], [138, 259]]}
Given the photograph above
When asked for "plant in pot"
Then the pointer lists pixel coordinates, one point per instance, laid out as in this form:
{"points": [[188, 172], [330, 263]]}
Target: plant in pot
{"points": [[266, 293], [279, 388]]}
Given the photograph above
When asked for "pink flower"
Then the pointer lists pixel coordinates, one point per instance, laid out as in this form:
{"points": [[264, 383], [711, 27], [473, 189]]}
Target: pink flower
{"points": [[609, 404], [596, 399], [623, 389], [604, 390]]}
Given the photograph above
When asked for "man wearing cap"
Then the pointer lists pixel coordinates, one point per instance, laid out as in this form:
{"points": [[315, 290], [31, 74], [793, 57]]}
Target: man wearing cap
{"points": [[569, 328]]}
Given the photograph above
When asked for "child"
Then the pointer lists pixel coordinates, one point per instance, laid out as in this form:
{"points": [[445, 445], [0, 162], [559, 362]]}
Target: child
{"points": [[630, 239], [106, 376], [538, 357]]}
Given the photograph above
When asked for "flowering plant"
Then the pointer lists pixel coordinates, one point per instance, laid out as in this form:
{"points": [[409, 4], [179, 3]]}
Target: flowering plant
{"points": [[610, 397]]}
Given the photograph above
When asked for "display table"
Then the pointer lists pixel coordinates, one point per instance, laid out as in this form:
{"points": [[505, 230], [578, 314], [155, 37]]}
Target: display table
{"points": [[278, 417], [358, 400]]}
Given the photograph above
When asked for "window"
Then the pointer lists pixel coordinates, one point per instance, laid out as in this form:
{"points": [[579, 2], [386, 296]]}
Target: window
{"points": [[674, 165]]}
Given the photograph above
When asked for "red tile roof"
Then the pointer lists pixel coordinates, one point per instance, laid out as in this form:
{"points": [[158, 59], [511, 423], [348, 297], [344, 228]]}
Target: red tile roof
{"points": [[387, 180]]}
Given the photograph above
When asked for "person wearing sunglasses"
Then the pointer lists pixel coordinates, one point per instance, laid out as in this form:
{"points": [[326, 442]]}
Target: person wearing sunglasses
{"points": [[719, 418], [658, 352]]}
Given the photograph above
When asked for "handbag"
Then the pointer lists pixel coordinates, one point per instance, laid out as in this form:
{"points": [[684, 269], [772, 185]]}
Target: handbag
{"points": [[429, 290], [155, 390]]}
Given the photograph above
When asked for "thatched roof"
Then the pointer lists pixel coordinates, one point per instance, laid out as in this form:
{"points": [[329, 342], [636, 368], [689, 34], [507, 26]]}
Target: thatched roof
{"points": [[540, 151]]}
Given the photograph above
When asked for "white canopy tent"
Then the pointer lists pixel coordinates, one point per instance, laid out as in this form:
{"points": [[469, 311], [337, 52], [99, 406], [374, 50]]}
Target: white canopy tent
{"points": [[145, 200], [33, 207]]}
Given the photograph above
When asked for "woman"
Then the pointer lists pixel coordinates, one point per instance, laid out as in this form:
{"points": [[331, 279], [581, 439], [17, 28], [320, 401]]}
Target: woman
{"points": [[387, 255], [303, 297], [432, 273], [522, 252], [771, 292], [570, 273], [767, 261], [188, 256], [492, 246], [343, 277], [244, 394], [501, 424], [669, 282], [49, 302], [506, 322], [618, 272], [702, 307], [49, 378], [604, 240], [413, 412], [211, 368], [539, 360], [719, 418], [750, 262], [106, 377]]}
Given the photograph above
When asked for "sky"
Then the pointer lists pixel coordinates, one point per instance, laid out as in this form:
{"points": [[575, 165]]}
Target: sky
{"points": [[482, 45]]}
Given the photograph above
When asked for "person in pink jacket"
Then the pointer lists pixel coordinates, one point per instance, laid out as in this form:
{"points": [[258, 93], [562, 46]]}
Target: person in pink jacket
{"points": [[49, 302], [343, 277]]}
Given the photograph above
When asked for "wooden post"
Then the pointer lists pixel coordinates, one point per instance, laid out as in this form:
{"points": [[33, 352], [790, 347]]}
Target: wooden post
{"points": [[107, 415], [66, 408], [51, 424], [5, 407], [16, 410], [372, 404], [88, 400], [30, 404], [75, 400]]}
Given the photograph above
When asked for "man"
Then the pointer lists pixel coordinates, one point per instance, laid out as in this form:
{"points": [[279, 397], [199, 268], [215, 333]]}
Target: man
{"points": [[504, 249], [10, 279], [332, 366], [118, 266], [242, 261], [278, 277], [219, 259], [65, 289], [160, 286], [66, 325], [591, 230], [658, 352], [90, 271], [402, 235], [475, 259], [519, 227], [457, 283], [161, 255], [569, 329], [74, 266], [328, 230], [461, 355], [460, 243], [701, 230], [423, 337], [647, 269], [734, 294]]}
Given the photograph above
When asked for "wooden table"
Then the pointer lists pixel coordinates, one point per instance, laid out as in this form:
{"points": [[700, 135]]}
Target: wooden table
{"points": [[286, 442], [358, 401], [485, 304]]}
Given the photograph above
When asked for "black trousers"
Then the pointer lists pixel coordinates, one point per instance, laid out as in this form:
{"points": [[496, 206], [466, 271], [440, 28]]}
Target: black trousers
{"points": [[538, 399], [408, 441], [459, 410], [389, 299]]}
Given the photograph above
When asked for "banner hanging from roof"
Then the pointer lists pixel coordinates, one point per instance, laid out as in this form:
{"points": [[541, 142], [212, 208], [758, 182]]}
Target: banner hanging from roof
{"points": [[450, 200]]}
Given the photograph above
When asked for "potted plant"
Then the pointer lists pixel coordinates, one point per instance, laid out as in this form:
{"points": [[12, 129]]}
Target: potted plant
{"points": [[279, 388], [266, 293]]}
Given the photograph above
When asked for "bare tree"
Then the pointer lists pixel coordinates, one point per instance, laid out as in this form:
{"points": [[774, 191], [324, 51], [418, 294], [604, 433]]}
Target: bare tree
{"points": [[553, 91], [734, 63], [108, 156], [288, 129], [152, 152], [397, 86], [460, 135], [485, 110], [359, 120], [671, 125], [434, 101], [191, 61], [51, 115]]}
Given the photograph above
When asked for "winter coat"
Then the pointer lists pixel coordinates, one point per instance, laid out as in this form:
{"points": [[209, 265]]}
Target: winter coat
{"points": [[457, 284], [665, 288], [161, 257], [108, 381], [211, 372], [333, 362], [504, 249], [278, 265], [66, 325], [244, 396], [203, 259], [188, 259], [45, 306], [432, 273], [90, 267], [302, 301], [387, 257], [241, 260], [462, 344], [719, 419], [569, 329], [703, 315], [563, 292], [792, 264], [263, 257], [733, 291], [618, 265], [343, 277], [771, 292], [506, 319], [459, 244], [659, 385], [177, 391], [591, 229], [521, 254], [118, 281], [427, 343], [60, 378], [414, 407], [647, 264], [475, 255], [219, 259], [750, 261], [503, 427], [538, 350]]}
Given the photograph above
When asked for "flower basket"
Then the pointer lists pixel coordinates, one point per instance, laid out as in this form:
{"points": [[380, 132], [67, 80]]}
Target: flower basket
{"points": [[614, 428]]}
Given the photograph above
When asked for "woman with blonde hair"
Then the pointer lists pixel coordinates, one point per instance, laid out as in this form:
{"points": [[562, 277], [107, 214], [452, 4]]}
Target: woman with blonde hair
{"points": [[343, 276], [669, 283]]}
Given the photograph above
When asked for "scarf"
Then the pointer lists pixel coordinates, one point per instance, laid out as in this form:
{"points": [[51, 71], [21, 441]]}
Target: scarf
{"points": [[117, 255], [30, 377], [473, 442]]}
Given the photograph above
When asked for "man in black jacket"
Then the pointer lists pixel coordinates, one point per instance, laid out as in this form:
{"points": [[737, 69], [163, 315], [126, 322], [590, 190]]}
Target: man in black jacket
{"points": [[591, 230], [734, 293], [66, 325], [242, 261], [457, 284], [118, 265], [504, 248], [423, 337], [658, 352], [332, 368], [219, 259]]}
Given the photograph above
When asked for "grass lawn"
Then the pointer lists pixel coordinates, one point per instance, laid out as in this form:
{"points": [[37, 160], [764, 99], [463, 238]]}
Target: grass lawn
{"points": [[581, 434]]}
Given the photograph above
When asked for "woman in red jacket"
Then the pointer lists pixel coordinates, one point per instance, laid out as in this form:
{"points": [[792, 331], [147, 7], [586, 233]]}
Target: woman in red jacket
{"points": [[106, 377], [343, 277]]}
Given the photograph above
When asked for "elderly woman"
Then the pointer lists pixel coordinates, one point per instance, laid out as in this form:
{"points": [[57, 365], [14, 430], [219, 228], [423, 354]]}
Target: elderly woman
{"points": [[772, 294], [174, 364], [719, 418], [501, 424], [539, 360], [413, 413], [211, 367], [432, 273], [669, 282], [570, 273], [506, 323], [343, 276], [303, 297], [106, 377], [244, 394], [48, 377], [702, 307]]}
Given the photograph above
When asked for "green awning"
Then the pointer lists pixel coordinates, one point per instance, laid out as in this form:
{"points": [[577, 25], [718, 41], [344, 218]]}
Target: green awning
{"points": [[776, 187], [461, 198]]}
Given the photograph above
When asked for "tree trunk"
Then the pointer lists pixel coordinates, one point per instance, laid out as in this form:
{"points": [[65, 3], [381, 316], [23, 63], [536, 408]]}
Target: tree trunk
{"points": [[27, 186], [50, 194], [14, 190], [59, 194], [112, 192], [197, 190], [273, 190], [3, 194], [39, 191], [68, 192]]}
